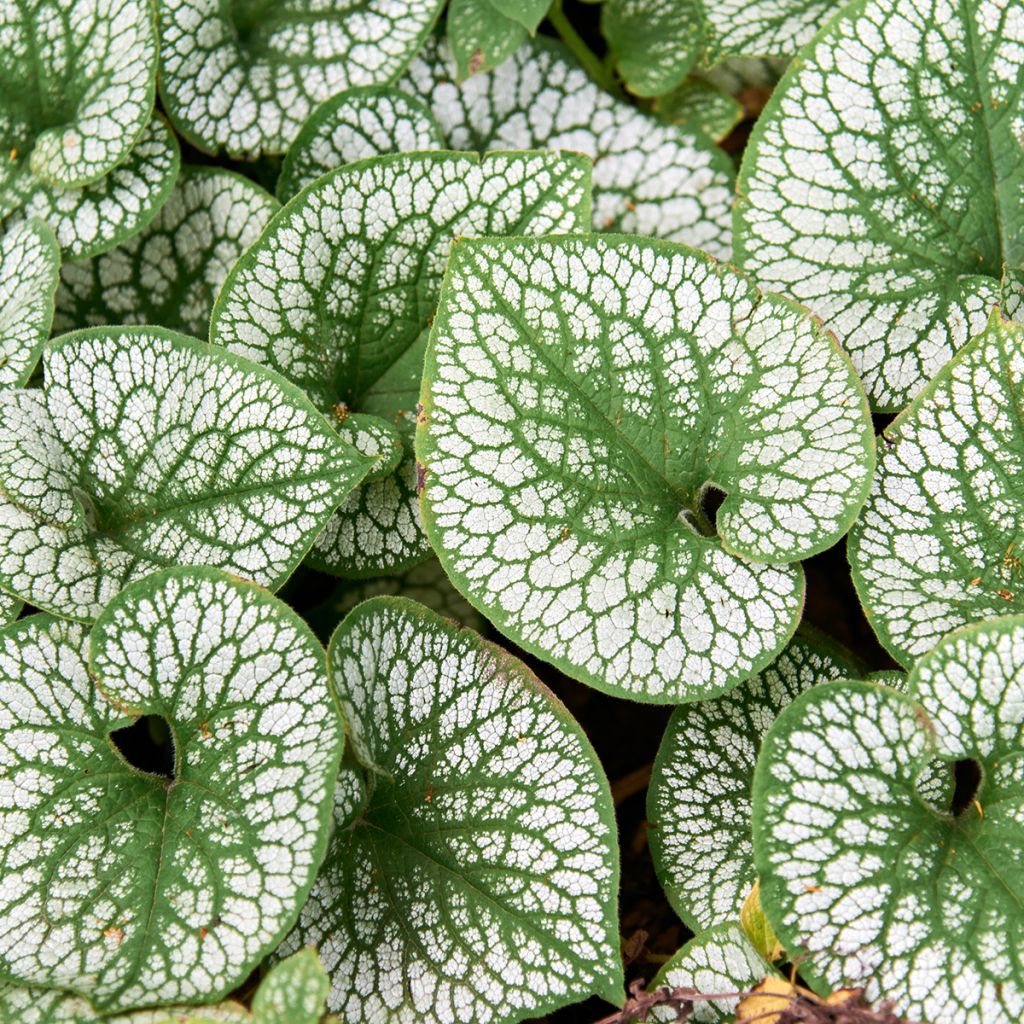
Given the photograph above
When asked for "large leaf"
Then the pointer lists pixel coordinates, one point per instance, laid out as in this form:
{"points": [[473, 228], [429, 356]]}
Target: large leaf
{"points": [[243, 76], [137, 888], [354, 125], [29, 263], [759, 28], [882, 185], [649, 177], [147, 448], [341, 306], [698, 802], [96, 217], [475, 877], [715, 962], [77, 82], [20, 1005], [866, 883], [939, 543], [581, 400], [170, 273]]}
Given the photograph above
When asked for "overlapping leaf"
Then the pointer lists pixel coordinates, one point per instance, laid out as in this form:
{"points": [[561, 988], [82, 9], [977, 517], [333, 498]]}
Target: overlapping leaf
{"points": [[939, 542], [483, 33], [98, 216], [698, 802], [146, 448], [649, 177], [580, 400], [136, 888], [354, 125], [759, 28], [29, 263], [701, 105], [341, 306], [871, 885], [475, 877], [170, 273], [882, 185], [77, 83], [243, 77]]}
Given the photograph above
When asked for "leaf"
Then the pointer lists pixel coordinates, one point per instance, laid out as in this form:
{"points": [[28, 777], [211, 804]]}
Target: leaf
{"points": [[77, 83], [1012, 293], [755, 925], [244, 77], [29, 263], [716, 961], [136, 888], [580, 397], [10, 607], [654, 43], [891, 210], [939, 544], [97, 217], [425, 583], [877, 887], [649, 178], [762, 28], [698, 802], [147, 448], [481, 36], [479, 880], [702, 106], [341, 305], [170, 273], [294, 992], [21, 1005], [354, 125]]}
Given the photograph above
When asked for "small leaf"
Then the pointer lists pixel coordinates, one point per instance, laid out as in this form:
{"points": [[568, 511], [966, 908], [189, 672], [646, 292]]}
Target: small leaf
{"points": [[147, 448], [294, 992], [341, 305], [755, 924], [77, 83], [716, 961], [580, 399], [29, 263], [882, 184], [481, 36], [354, 125], [96, 217], [649, 177], [136, 888], [868, 885], [654, 43], [243, 77], [479, 881], [700, 105], [171, 272], [698, 802], [939, 543], [425, 583]]}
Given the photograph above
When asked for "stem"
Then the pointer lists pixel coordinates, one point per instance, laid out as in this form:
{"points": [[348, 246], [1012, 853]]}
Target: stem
{"points": [[572, 39]]}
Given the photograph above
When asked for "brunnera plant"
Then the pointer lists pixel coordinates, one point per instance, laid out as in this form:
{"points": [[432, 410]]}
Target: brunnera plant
{"points": [[382, 442]]}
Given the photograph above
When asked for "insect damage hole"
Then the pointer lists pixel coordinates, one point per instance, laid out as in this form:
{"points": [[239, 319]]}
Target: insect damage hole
{"points": [[704, 518], [147, 745]]}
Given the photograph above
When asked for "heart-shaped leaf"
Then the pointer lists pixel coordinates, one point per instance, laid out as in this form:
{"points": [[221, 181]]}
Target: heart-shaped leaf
{"points": [[649, 177], [698, 802], [425, 583], [481, 34], [171, 272], [939, 542], [243, 77], [870, 885], [476, 876], [147, 448], [703, 106], [882, 183], [341, 305], [91, 219], [77, 83], [354, 125], [582, 401], [717, 961], [29, 264], [135, 887], [294, 992]]}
